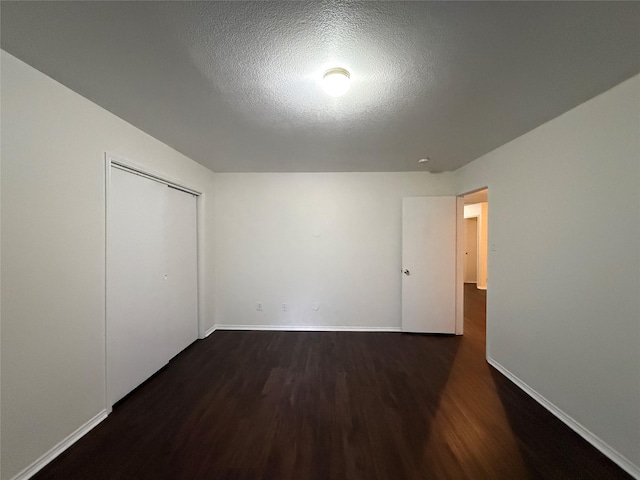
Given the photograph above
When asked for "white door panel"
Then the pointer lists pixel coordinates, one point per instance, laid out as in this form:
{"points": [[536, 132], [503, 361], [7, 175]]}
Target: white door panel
{"points": [[135, 299], [429, 264], [471, 252], [182, 271], [152, 291]]}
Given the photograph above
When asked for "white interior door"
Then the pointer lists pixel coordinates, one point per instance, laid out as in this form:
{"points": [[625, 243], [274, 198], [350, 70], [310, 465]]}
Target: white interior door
{"points": [[471, 251], [429, 264], [152, 278], [136, 302], [182, 271]]}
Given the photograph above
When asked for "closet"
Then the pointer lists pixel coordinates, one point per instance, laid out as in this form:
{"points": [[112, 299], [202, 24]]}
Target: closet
{"points": [[152, 277]]}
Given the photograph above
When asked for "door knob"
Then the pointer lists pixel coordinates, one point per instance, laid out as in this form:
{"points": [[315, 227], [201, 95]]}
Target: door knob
{"points": [[407, 272]]}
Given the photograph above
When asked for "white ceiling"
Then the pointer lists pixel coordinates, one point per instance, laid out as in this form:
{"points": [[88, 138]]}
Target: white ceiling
{"points": [[235, 85]]}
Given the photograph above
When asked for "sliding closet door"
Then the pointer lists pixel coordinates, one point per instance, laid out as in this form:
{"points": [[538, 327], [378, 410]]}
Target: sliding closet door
{"points": [[136, 299], [152, 275], [182, 278]]}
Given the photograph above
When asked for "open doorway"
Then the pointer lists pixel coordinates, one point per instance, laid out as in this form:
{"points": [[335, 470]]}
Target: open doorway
{"points": [[475, 256]]}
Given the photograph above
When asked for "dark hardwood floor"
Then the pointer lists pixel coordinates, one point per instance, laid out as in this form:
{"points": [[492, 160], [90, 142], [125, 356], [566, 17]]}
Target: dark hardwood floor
{"points": [[333, 405]]}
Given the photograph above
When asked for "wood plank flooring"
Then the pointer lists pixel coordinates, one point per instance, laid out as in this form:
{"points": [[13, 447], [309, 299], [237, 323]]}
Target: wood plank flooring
{"points": [[332, 405]]}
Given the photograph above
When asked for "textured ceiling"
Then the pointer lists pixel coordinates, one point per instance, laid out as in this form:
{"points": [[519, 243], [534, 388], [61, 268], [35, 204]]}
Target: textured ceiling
{"points": [[235, 85]]}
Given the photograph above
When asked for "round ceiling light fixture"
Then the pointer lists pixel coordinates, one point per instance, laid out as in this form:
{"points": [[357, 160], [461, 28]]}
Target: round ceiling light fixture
{"points": [[336, 81], [423, 160]]}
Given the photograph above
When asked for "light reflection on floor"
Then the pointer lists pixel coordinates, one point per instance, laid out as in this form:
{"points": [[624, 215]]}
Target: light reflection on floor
{"points": [[471, 428]]}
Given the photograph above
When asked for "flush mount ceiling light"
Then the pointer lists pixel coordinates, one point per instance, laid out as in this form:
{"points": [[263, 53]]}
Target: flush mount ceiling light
{"points": [[336, 81], [423, 160]]}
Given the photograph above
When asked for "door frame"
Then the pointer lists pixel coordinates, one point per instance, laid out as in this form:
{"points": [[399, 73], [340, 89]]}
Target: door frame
{"points": [[116, 161], [460, 249]]}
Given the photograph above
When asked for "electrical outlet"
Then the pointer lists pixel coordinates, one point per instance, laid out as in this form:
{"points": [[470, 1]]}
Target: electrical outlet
{"points": [[284, 307], [259, 306]]}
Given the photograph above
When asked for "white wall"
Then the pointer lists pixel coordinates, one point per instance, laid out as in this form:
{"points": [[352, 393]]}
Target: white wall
{"points": [[483, 245], [331, 240], [473, 210], [53, 253], [563, 300]]}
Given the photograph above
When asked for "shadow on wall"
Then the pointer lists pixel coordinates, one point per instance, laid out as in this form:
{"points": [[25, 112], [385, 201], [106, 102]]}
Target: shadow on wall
{"points": [[579, 458]]}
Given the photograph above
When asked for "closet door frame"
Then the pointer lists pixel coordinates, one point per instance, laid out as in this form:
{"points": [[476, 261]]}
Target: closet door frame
{"points": [[116, 161]]}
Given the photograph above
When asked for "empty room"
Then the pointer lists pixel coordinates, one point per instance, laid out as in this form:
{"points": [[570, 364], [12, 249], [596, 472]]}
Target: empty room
{"points": [[319, 240]]}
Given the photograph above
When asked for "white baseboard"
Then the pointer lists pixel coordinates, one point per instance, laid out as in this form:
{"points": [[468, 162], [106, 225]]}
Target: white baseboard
{"points": [[576, 426], [41, 462], [209, 331], [308, 328]]}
